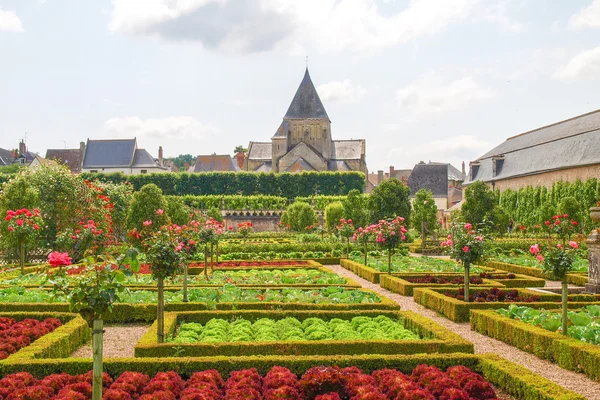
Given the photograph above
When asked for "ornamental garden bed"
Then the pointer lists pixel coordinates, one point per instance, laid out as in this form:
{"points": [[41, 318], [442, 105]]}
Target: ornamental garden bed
{"points": [[403, 264], [140, 305], [448, 302], [32, 335], [404, 284], [576, 278], [365, 376], [297, 277], [568, 352], [240, 333]]}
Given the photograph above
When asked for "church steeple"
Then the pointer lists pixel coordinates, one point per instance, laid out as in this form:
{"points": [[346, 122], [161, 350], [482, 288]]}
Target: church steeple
{"points": [[306, 103]]}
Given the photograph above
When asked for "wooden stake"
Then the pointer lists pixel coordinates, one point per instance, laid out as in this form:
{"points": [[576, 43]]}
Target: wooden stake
{"points": [[97, 336]]}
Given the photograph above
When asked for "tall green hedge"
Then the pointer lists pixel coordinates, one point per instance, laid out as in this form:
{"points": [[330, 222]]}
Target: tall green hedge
{"points": [[244, 183]]}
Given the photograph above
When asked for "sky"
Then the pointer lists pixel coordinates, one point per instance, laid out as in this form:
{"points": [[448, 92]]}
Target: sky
{"points": [[420, 80]]}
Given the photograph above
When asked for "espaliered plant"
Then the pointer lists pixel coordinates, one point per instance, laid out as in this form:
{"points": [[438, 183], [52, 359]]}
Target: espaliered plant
{"points": [[92, 293], [22, 227], [163, 253], [389, 234], [466, 246]]}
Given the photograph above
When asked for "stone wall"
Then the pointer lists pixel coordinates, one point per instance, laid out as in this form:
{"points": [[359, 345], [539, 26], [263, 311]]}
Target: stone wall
{"points": [[548, 178], [260, 223]]}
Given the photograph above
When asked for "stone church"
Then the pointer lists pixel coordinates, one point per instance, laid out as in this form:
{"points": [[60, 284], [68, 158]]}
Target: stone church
{"points": [[303, 140]]}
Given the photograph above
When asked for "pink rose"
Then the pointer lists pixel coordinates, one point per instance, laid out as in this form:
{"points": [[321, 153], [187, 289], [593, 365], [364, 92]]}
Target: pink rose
{"points": [[466, 249], [468, 226], [573, 244], [540, 258], [479, 238], [534, 249], [160, 211], [19, 222], [147, 223], [450, 242], [10, 229]]}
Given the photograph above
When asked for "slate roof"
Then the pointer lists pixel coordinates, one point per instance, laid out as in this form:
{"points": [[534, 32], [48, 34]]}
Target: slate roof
{"points": [[340, 165], [433, 177], [300, 165], [267, 166], [282, 130], [260, 151], [214, 163], [347, 149], [306, 103], [29, 156], [70, 157], [142, 158], [109, 153], [566, 144], [454, 174], [6, 157]]}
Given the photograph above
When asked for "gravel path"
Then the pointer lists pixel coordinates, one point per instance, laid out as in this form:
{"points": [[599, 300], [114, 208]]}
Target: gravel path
{"points": [[576, 382], [119, 341]]}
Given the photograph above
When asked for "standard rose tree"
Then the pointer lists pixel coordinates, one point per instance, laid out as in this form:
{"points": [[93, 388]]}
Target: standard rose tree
{"points": [[389, 234], [558, 261], [244, 229], [345, 230], [364, 236], [466, 246], [21, 228]]}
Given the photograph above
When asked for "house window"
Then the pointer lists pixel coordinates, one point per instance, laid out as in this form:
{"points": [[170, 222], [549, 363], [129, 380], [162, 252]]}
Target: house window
{"points": [[474, 171], [144, 171], [21, 161], [94, 171], [497, 164]]}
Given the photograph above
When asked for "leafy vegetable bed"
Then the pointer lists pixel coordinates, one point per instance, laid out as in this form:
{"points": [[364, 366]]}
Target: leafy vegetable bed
{"points": [[414, 264], [318, 383], [242, 277], [228, 293], [584, 325], [493, 295], [580, 264], [16, 335], [291, 329]]}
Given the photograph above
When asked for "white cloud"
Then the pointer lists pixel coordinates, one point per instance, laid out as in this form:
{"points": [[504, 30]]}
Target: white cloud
{"points": [[10, 22], [432, 95], [178, 134], [259, 25], [589, 17], [497, 13], [340, 91], [585, 65]]}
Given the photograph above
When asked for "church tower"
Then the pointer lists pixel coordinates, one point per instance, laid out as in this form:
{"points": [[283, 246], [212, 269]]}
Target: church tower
{"points": [[305, 123]]}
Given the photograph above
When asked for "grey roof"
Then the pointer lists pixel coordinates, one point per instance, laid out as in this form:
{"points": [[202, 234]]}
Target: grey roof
{"points": [[347, 149], [432, 177], [142, 159], [29, 156], [6, 157], [260, 151], [571, 143], [338, 165], [109, 153], [300, 165], [265, 167], [70, 157], [454, 174], [282, 130], [214, 163], [306, 102]]}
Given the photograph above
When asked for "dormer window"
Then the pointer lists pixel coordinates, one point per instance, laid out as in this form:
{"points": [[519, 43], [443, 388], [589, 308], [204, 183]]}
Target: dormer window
{"points": [[474, 170], [497, 164]]}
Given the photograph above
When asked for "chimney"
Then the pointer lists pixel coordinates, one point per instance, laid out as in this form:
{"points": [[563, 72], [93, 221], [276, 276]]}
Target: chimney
{"points": [[186, 166], [379, 177], [160, 155], [240, 156], [81, 154], [15, 154], [22, 147], [464, 173], [392, 171]]}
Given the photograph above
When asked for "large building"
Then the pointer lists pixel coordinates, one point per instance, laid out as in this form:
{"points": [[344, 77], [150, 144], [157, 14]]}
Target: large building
{"points": [[303, 140], [120, 155], [566, 150]]}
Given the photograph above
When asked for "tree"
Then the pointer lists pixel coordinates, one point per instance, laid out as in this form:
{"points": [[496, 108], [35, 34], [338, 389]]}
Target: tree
{"points": [[570, 206], [424, 217], [478, 204], [177, 211], [390, 200], [20, 228], [389, 234], [145, 207], [240, 149], [215, 214], [356, 208], [92, 293], [181, 160], [333, 213], [300, 216]]}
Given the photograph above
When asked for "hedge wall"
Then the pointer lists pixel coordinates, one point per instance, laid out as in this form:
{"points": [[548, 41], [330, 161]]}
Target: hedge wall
{"points": [[511, 378], [396, 283], [569, 353], [437, 339], [573, 278], [286, 185]]}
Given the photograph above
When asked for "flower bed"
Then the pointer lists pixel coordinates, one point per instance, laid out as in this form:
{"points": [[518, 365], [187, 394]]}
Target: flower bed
{"points": [[448, 303], [252, 264], [220, 333], [405, 284], [567, 352], [573, 278], [470, 374], [580, 264], [15, 335]]}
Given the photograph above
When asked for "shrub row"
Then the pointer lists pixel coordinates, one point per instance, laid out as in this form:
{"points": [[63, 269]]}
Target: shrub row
{"points": [[246, 183], [439, 339], [60, 343], [511, 378], [569, 353], [574, 279], [458, 310]]}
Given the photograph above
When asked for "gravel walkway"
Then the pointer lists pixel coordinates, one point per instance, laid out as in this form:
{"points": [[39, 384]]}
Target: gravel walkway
{"points": [[576, 382], [119, 341]]}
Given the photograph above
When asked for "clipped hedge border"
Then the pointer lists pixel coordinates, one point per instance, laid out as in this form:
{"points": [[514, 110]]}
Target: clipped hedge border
{"points": [[438, 338], [396, 284], [458, 310], [59, 343], [127, 312], [574, 279], [567, 352], [511, 378]]}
